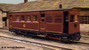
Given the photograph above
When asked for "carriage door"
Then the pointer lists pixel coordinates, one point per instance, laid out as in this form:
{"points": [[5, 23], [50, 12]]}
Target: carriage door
{"points": [[66, 22], [42, 22]]}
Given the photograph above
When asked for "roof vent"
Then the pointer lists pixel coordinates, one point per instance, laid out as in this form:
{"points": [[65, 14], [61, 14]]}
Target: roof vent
{"points": [[60, 5], [25, 1]]}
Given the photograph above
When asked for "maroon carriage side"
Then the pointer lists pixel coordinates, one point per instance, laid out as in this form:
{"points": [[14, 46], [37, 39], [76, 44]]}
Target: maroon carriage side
{"points": [[60, 24]]}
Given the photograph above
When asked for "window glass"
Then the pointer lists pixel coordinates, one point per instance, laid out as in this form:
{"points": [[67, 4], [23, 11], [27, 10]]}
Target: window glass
{"points": [[28, 18], [22, 18], [34, 17], [72, 18], [10, 16], [76, 18], [58, 19], [17, 18]]}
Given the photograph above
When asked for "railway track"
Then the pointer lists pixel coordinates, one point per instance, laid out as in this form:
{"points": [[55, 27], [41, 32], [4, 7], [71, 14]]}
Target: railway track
{"points": [[43, 44], [36, 43], [81, 43]]}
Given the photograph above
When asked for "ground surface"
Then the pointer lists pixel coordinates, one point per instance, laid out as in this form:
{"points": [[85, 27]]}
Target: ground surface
{"points": [[5, 43], [84, 29]]}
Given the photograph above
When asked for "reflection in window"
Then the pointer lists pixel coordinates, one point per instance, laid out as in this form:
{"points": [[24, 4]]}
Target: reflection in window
{"points": [[10, 16], [17, 18], [76, 18], [34, 18], [72, 18], [22, 18], [28, 18]]}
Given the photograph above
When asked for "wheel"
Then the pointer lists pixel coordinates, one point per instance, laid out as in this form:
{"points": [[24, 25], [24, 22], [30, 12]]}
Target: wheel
{"points": [[78, 36], [17, 33], [65, 39]]}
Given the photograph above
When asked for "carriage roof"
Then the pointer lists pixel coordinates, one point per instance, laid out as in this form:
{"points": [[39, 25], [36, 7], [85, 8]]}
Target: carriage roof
{"points": [[43, 10]]}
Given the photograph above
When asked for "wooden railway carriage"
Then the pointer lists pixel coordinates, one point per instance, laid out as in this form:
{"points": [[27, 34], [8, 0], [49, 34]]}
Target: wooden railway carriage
{"points": [[61, 24]]}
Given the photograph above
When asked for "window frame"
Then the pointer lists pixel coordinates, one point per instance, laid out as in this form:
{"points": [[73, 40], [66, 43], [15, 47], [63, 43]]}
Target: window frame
{"points": [[76, 18], [34, 18], [72, 18], [29, 18], [17, 18], [22, 18]]}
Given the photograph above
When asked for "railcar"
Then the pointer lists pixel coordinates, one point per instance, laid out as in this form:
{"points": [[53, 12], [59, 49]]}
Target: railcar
{"points": [[60, 24]]}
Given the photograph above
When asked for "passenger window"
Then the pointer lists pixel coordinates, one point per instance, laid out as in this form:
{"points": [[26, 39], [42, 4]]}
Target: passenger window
{"points": [[76, 18], [58, 19], [28, 18], [22, 18], [17, 18], [72, 18], [10, 17], [34, 17]]}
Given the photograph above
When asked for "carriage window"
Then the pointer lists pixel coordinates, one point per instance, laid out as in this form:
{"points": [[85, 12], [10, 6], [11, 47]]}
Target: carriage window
{"points": [[34, 18], [72, 18], [58, 19], [28, 18], [17, 18], [10, 17], [22, 18], [76, 18], [49, 18]]}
